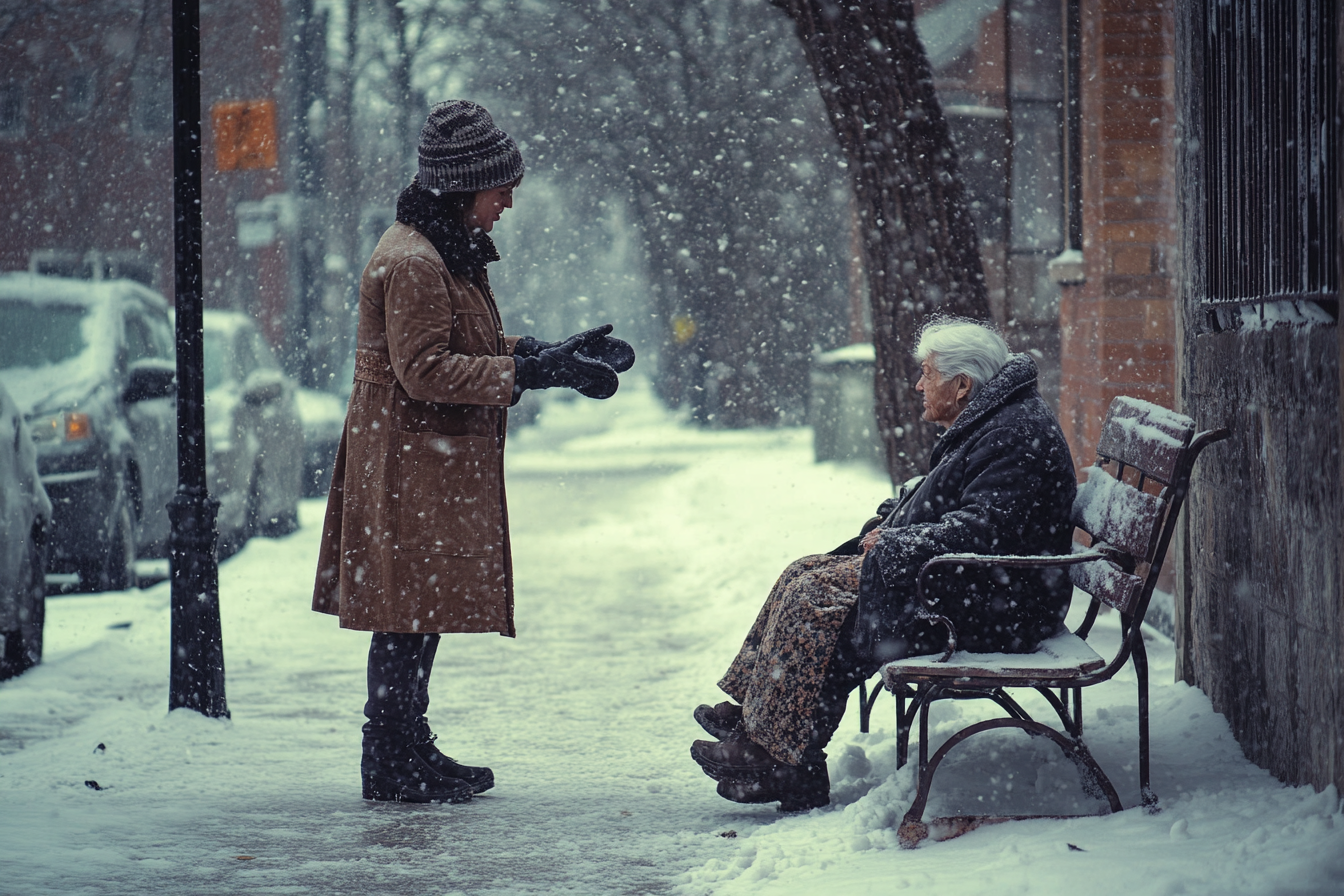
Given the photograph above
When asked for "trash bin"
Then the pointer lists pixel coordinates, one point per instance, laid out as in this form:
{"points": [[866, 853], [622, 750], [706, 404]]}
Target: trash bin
{"points": [[841, 412]]}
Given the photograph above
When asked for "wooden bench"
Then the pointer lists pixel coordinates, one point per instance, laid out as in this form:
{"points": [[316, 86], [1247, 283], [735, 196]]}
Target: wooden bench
{"points": [[1128, 505]]}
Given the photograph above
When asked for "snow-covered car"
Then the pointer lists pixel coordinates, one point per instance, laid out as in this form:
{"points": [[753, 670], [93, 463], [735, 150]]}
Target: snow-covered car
{"points": [[25, 514], [323, 415], [91, 367], [253, 435]]}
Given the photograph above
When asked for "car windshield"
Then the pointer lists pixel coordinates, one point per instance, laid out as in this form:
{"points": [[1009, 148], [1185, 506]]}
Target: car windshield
{"points": [[216, 352], [40, 334]]}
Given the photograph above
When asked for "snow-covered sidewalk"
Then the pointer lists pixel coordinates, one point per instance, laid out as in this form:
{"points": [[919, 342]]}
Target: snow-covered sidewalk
{"points": [[642, 549]]}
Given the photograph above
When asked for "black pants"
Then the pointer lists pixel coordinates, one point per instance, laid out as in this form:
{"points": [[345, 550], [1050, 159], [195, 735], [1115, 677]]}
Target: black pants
{"points": [[398, 676]]}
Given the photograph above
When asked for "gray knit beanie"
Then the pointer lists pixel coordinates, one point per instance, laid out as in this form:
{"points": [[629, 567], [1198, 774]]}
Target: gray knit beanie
{"points": [[461, 150]]}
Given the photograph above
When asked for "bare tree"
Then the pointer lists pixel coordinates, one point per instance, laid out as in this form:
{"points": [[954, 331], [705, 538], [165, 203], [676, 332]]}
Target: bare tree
{"points": [[701, 115], [919, 241]]}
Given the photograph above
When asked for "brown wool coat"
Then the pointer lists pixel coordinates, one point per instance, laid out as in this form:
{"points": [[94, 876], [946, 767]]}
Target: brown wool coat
{"points": [[416, 536]]}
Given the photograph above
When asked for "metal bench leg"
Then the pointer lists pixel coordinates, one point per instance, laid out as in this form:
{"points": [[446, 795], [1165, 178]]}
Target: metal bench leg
{"points": [[1148, 795], [866, 702], [913, 830], [904, 716], [902, 730]]}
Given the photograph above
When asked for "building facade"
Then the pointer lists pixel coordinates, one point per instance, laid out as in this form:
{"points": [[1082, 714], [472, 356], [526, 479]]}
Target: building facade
{"points": [[86, 168]]}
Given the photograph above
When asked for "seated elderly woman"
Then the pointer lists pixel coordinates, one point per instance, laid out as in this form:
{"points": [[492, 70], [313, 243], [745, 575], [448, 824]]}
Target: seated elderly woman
{"points": [[1001, 482]]}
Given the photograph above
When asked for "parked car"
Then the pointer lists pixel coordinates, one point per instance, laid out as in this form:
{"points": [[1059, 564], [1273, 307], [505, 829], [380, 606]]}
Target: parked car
{"points": [[323, 415], [91, 367], [253, 435], [25, 514]]}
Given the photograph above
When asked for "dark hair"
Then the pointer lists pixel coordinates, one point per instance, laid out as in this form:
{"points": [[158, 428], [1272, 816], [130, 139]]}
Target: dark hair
{"points": [[454, 205]]}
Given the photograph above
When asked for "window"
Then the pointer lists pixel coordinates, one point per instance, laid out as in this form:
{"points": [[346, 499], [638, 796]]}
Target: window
{"points": [[141, 341], [13, 110], [1270, 226], [152, 97], [999, 68], [73, 97], [261, 349]]}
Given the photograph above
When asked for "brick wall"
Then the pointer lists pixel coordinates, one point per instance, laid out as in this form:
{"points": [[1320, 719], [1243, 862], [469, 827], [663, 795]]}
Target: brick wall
{"points": [[1118, 329]]}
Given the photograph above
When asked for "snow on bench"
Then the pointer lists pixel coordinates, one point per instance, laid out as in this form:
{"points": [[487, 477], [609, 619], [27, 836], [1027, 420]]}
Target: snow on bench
{"points": [[1063, 655]]}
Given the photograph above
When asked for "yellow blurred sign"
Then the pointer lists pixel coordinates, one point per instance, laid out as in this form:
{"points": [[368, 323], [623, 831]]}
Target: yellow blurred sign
{"points": [[683, 328], [245, 135]]}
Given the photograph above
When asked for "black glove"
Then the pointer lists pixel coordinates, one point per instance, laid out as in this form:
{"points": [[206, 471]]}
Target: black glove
{"points": [[560, 365], [595, 344], [530, 347]]}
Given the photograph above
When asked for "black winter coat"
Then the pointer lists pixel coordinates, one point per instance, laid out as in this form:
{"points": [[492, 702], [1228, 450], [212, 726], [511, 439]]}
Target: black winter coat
{"points": [[1002, 482]]}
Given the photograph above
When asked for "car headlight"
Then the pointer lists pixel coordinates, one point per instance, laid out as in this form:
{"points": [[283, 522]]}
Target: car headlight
{"points": [[71, 426]]}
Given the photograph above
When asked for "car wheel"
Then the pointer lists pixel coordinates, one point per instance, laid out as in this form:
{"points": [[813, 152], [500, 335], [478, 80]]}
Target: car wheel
{"points": [[114, 568], [23, 648]]}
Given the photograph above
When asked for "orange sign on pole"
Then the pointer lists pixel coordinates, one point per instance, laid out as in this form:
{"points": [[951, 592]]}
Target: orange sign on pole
{"points": [[245, 134]]}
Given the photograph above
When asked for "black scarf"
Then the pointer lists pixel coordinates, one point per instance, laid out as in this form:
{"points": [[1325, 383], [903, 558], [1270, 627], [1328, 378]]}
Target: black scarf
{"points": [[463, 253]]}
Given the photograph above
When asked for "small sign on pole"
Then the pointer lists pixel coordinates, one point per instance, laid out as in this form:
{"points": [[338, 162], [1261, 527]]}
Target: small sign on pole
{"points": [[245, 135]]}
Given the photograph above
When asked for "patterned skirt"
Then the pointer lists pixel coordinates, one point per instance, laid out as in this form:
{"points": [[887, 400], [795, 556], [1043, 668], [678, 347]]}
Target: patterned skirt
{"points": [[778, 674]]}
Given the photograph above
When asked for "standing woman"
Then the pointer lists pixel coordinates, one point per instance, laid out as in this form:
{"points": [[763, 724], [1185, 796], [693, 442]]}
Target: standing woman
{"points": [[416, 537]]}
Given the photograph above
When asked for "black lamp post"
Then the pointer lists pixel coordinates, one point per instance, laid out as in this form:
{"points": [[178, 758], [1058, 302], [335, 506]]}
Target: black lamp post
{"points": [[196, 680]]}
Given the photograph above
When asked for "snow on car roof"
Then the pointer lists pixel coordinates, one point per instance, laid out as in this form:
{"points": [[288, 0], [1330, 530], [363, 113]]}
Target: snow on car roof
{"points": [[231, 321], [44, 288]]}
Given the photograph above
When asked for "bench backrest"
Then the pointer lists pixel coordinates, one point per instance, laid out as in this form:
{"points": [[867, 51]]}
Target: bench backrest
{"points": [[1130, 498]]}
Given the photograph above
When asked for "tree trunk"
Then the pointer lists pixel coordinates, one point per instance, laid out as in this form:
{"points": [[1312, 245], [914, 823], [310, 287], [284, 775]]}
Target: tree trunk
{"points": [[920, 247]]}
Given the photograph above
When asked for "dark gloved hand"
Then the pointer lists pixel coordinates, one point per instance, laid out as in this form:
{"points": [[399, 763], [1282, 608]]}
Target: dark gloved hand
{"points": [[596, 344], [530, 347], [560, 365], [599, 345]]}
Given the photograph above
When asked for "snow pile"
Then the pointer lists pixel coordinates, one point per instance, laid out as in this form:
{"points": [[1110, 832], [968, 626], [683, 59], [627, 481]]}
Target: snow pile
{"points": [[1225, 827], [643, 549]]}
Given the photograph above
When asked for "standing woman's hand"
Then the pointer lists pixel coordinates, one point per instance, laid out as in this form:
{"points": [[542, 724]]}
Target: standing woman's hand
{"points": [[596, 344], [599, 345], [561, 365]]}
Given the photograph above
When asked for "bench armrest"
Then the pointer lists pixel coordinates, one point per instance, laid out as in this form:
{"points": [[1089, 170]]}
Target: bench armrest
{"points": [[1018, 561], [930, 616]]}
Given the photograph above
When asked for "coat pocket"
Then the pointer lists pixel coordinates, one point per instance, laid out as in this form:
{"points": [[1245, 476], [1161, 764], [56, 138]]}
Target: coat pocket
{"points": [[449, 500]]}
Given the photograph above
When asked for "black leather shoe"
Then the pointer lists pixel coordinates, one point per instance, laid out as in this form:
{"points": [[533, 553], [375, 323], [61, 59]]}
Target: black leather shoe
{"points": [[743, 792], [393, 772], [797, 788], [801, 787], [724, 721], [480, 778], [748, 774], [732, 760]]}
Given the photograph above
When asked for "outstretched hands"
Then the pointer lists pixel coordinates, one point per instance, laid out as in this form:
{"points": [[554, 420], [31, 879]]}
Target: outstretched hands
{"points": [[597, 344], [586, 362], [600, 345]]}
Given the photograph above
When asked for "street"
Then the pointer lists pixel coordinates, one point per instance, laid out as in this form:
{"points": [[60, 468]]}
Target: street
{"points": [[642, 551]]}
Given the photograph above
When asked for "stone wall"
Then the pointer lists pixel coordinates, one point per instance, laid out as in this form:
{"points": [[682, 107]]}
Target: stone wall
{"points": [[1260, 613], [1261, 617]]}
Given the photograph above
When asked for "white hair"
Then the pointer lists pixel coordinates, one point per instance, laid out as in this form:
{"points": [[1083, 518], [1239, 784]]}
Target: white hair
{"points": [[963, 346]]}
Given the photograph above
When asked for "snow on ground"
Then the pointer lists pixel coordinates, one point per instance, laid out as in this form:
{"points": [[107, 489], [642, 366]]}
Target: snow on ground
{"points": [[643, 549]]}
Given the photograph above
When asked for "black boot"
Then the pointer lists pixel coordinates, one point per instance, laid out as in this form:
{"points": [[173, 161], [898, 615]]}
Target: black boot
{"points": [[801, 787], [393, 768], [392, 771], [723, 720], [797, 788], [479, 778]]}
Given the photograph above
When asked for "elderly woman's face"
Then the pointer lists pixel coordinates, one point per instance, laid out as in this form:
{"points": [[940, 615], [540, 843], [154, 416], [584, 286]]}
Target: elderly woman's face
{"points": [[944, 397]]}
